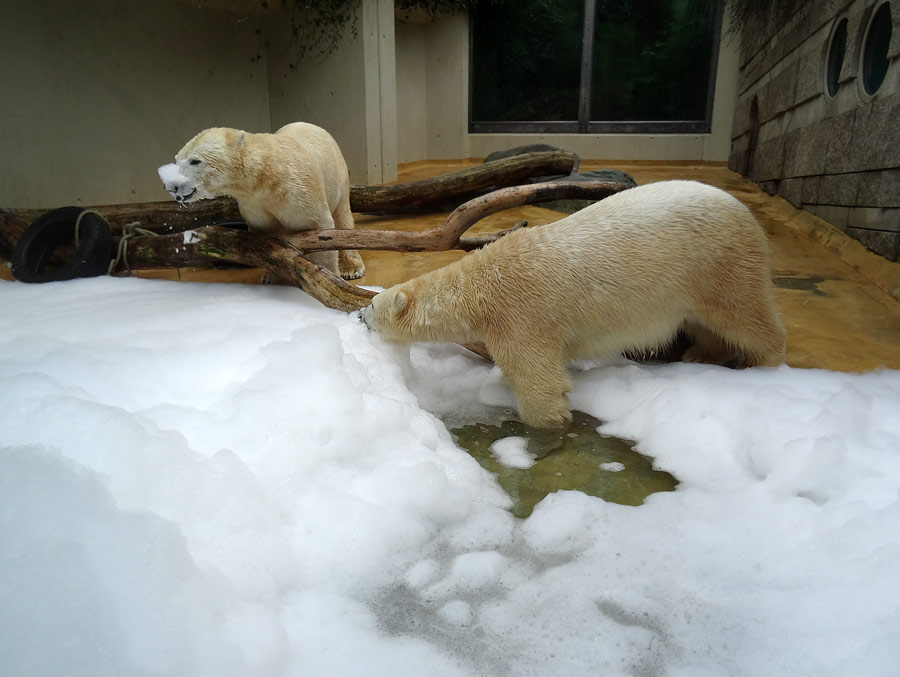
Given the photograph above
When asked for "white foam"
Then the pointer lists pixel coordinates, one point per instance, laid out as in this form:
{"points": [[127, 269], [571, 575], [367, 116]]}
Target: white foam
{"points": [[233, 480], [512, 452]]}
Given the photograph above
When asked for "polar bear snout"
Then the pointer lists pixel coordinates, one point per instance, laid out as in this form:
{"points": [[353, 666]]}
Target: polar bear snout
{"points": [[182, 193], [367, 317], [177, 184]]}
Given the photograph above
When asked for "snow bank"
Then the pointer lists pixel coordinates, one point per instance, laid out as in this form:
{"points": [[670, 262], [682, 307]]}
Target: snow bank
{"points": [[232, 480]]}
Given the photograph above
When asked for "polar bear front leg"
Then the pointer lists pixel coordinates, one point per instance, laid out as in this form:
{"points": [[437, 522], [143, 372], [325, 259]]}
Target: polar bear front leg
{"points": [[350, 263], [540, 381]]}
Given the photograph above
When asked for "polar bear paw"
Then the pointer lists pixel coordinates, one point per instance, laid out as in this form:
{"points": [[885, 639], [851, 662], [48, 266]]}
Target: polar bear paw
{"points": [[350, 264], [546, 414]]}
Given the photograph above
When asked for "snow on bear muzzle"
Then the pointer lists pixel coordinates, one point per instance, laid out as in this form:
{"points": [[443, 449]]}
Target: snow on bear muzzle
{"points": [[177, 184]]}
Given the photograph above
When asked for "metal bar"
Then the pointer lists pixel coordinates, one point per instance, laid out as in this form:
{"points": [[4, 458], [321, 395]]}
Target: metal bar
{"points": [[587, 64]]}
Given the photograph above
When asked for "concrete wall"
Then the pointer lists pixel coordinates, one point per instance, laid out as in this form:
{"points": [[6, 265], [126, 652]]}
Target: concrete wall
{"points": [[319, 92], [432, 87], [836, 157], [98, 93], [412, 91], [351, 92]]}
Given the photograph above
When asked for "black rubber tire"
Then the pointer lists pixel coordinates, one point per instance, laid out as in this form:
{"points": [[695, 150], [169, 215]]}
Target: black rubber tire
{"points": [[42, 237]]}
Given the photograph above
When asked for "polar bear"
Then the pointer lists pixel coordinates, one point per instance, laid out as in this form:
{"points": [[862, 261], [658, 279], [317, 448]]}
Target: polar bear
{"points": [[625, 274], [294, 179]]}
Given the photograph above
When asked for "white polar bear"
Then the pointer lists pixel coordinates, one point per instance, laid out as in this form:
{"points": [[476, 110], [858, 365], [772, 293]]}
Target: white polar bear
{"points": [[625, 274], [295, 179]]}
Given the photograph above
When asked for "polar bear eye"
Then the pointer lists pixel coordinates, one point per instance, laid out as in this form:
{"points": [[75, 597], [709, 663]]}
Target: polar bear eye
{"points": [[195, 161]]}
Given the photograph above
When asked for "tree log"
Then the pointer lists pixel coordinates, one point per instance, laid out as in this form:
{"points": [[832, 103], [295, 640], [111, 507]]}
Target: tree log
{"points": [[445, 192], [441, 193], [179, 250]]}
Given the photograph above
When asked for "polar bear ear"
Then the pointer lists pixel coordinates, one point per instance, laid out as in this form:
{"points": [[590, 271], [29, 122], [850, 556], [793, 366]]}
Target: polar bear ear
{"points": [[400, 301]]}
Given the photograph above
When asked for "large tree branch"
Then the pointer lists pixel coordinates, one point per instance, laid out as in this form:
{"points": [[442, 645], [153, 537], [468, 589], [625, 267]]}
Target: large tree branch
{"points": [[179, 250]]}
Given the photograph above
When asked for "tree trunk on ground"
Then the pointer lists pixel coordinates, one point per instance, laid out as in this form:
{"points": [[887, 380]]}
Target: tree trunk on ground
{"points": [[446, 192]]}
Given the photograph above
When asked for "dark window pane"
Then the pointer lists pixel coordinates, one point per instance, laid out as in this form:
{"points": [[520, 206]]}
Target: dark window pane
{"points": [[875, 61], [836, 52], [652, 60], [526, 61]]}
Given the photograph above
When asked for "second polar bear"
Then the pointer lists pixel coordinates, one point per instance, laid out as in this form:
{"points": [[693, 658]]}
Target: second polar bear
{"points": [[294, 179], [625, 274]]}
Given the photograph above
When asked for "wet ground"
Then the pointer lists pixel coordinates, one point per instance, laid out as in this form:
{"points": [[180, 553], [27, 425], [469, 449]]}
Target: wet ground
{"points": [[839, 303], [575, 458]]}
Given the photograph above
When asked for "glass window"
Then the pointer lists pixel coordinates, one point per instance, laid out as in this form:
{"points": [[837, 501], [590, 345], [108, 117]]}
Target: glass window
{"points": [[836, 51], [593, 65], [875, 49], [652, 60], [526, 61]]}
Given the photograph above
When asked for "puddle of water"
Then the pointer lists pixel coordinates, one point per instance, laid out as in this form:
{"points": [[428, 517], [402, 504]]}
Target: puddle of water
{"points": [[577, 458], [806, 283]]}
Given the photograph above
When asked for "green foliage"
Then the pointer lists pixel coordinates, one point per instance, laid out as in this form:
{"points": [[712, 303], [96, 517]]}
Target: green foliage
{"points": [[650, 60], [527, 60]]}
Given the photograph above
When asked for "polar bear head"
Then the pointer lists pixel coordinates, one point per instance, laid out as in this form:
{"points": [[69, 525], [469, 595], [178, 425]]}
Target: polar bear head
{"points": [[204, 167], [419, 309], [389, 315]]}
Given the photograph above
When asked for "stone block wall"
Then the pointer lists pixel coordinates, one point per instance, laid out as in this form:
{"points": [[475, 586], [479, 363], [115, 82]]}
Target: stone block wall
{"points": [[837, 157]]}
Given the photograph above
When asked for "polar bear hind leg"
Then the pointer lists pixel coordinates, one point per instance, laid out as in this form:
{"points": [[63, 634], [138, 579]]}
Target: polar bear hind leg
{"points": [[738, 337]]}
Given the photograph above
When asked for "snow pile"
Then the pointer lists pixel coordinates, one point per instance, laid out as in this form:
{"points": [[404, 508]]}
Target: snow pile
{"points": [[232, 480]]}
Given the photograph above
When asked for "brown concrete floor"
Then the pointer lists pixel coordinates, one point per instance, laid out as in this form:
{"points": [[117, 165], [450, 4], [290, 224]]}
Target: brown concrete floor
{"points": [[838, 301]]}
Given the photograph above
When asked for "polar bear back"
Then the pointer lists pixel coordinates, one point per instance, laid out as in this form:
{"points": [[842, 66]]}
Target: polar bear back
{"points": [[641, 260], [313, 155], [641, 263]]}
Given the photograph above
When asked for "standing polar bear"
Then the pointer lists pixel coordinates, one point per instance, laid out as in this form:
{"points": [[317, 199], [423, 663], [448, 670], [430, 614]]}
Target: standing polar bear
{"points": [[625, 274], [294, 179]]}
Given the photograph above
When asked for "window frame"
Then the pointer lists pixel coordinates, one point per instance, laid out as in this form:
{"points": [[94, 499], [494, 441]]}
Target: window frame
{"points": [[584, 125]]}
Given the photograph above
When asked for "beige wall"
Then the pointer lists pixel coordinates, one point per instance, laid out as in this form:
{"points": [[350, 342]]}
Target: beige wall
{"points": [[412, 92], [351, 92], [97, 93]]}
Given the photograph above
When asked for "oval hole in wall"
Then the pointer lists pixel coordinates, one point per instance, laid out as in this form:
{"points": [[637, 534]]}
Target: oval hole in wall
{"points": [[875, 49], [835, 60]]}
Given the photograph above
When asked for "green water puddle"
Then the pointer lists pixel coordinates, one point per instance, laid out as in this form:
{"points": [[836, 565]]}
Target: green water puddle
{"points": [[576, 458]]}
